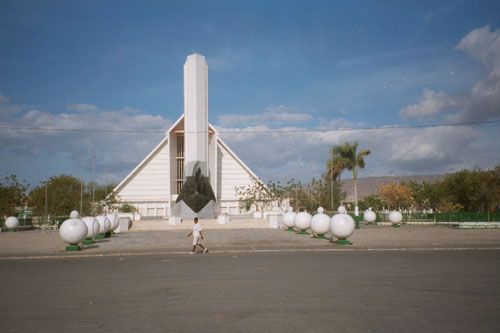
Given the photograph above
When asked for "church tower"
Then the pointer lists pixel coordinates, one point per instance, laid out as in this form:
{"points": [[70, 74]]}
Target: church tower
{"points": [[156, 186], [196, 198]]}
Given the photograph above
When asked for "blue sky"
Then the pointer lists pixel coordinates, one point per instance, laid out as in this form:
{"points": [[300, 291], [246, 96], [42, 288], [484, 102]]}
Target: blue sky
{"points": [[281, 65]]}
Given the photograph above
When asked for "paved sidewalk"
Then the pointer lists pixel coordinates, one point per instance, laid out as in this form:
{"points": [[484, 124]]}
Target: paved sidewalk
{"points": [[187, 224], [46, 243]]}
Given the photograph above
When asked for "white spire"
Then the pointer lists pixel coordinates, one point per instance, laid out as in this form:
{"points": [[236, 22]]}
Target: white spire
{"points": [[196, 112]]}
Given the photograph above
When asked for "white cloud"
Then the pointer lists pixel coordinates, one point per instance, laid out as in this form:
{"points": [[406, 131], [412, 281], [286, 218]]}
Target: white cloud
{"points": [[483, 45], [336, 123], [82, 107], [122, 151], [3, 98], [293, 151], [430, 146], [275, 115], [483, 100], [479, 103], [430, 105], [340, 123]]}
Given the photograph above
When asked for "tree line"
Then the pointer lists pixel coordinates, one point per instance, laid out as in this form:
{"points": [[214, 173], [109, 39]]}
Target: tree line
{"points": [[462, 191], [57, 196]]}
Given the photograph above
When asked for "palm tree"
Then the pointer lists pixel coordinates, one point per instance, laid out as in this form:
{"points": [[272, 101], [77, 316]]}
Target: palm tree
{"points": [[345, 157]]}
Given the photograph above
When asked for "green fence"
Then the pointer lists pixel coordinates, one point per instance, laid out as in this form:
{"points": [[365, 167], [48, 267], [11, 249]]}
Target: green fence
{"points": [[407, 217], [442, 217], [468, 217]]}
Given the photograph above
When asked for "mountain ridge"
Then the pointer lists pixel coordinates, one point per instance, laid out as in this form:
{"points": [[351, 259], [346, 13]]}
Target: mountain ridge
{"points": [[369, 185]]}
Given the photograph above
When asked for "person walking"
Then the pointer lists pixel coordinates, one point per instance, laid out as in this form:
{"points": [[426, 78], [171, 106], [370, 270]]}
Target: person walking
{"points": [[196, 237]]}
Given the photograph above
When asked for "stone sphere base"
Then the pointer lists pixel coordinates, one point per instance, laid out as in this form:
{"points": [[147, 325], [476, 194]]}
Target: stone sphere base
{"points": [[342, 241], [73, 247]]}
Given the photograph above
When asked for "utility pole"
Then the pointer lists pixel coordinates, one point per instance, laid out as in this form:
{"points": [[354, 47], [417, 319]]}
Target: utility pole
{"points": [[331, 176], [81, 189], [296, 189], [288, 199], [341, 187], [106, 185], [46, 203], [319, 193], [297, 197], [93, 185], [310, 188], [106, 178]]}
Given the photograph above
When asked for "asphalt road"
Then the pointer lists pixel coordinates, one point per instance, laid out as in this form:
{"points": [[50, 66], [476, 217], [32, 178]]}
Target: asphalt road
{"points": [[356, 291]]}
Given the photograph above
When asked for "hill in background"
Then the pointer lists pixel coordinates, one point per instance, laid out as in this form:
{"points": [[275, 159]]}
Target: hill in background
{"points": [[369, 185]]}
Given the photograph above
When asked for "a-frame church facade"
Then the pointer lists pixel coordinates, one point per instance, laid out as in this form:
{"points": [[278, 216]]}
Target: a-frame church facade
{"points": [[154, 185]]}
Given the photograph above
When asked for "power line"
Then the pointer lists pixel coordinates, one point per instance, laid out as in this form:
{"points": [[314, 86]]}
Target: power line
{"points": [[45, 129]]}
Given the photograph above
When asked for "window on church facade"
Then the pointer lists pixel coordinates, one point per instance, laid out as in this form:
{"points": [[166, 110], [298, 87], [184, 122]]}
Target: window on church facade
{"points": [[180, 161]]}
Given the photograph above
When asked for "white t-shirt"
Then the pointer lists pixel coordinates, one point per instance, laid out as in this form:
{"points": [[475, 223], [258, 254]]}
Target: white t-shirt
{"points": [[196, 230]]}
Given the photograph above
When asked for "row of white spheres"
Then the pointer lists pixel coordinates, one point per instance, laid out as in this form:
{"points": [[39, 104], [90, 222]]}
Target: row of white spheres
{"points": [[341, 225], [303, 220], [75, 230], [394, 216]]}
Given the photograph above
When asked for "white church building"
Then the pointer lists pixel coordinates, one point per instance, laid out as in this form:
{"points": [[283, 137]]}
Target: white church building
{"points": [[154, 185]]}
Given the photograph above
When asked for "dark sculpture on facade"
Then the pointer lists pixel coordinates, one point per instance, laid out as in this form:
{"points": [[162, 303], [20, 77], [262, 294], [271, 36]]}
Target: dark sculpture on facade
{"points": [[196, 191]]}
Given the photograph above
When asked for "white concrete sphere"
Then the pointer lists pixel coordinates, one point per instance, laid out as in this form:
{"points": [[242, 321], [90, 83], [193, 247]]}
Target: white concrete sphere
{"points": [[92, 226], [303, 220], [369, 216], [395, 217], [321, 210], [104, 224], [114, 220], [74, 214], [320, 224], [12, 222], [289, 219], [342, 225], [73, 231], [341, 210]]}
